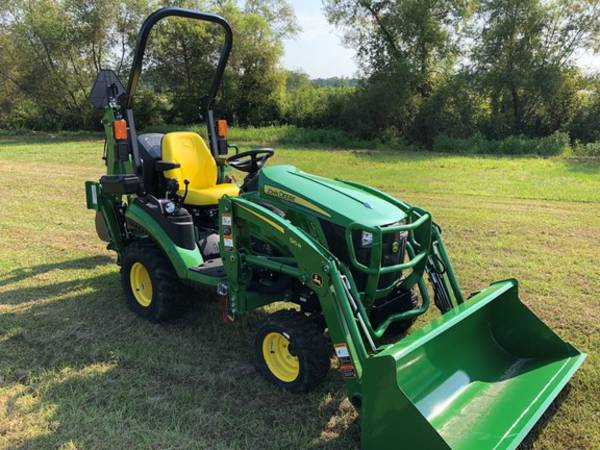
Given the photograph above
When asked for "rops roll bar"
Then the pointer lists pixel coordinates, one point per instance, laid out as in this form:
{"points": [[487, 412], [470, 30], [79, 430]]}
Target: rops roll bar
{"points": [[140, 48]]}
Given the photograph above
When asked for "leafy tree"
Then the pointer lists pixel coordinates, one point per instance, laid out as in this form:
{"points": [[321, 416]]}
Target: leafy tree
{"points": [[402, 45], [54, 50], [309, 104], [524, 60], [455, 109], [183, 55], [417, 34], [255, 83], [279, 14]]}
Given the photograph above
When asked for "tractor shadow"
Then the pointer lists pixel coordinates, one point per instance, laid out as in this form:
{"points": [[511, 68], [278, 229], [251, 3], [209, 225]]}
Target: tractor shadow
{"points": [[79, 366], [88, 263]]}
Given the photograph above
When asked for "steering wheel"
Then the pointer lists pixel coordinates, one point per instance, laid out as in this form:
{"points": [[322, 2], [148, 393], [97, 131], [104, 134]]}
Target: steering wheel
{"points": [[251, 161]]}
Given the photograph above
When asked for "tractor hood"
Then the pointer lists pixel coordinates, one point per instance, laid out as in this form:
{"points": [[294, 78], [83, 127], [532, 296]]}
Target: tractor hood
{"points": [[333, 199]]}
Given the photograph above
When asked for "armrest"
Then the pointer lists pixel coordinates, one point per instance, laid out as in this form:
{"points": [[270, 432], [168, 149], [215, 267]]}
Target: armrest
{"points": [[162, 166]]}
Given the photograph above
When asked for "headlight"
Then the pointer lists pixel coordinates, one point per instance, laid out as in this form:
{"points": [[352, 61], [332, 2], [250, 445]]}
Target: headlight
{"points": [[366, 239], [170, 207]]}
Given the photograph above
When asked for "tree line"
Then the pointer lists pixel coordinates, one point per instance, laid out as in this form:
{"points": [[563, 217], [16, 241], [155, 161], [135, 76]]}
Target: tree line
{"points": [[429, 69]]}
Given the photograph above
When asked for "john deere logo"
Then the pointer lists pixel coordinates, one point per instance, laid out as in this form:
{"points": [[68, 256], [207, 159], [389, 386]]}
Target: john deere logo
{"points": [[317, 279], [269, 190], [396, 247]]}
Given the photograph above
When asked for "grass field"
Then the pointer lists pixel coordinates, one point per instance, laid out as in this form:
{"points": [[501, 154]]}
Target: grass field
{"points": [[78, 370]]}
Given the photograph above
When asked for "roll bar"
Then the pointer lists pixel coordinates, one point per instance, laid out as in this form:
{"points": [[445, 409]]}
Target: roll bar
{"points": [[142, 38]]}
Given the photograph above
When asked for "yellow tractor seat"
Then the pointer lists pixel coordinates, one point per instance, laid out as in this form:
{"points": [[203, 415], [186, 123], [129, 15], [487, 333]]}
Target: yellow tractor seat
{"points": [[196, 165], [211, 196]]}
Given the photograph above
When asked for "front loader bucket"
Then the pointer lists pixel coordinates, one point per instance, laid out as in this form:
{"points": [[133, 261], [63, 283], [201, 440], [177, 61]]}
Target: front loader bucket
{"points": [[477, 378]]}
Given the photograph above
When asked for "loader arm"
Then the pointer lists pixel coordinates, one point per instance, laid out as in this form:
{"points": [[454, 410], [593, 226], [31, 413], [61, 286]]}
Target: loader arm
{"points": [[309, 262], [471, 380]]}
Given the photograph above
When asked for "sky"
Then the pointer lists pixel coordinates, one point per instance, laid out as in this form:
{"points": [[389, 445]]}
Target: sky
{"points": [[318, 49]]}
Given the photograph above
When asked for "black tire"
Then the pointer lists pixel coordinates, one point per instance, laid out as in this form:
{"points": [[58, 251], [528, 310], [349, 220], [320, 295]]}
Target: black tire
{"points": [[307, 345], [168, 298]]}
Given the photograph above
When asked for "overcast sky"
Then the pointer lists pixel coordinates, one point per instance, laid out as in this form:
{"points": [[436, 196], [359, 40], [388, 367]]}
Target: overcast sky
{"points": [[319, 52]]}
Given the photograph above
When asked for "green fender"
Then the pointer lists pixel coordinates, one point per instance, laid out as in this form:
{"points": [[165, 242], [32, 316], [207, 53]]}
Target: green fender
{"points": [[182, 259]]}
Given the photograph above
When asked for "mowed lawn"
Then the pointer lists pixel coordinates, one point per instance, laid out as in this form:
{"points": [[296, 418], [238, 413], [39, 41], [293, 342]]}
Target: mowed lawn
{"points": [[78, 370]]}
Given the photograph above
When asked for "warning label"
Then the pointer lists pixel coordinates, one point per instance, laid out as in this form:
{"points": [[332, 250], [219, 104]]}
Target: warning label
{"points": [[346, 365], [341, 350], [348, 371]]}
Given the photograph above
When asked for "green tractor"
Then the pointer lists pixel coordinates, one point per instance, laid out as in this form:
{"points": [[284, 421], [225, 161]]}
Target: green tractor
{"points": [[360, 265]]}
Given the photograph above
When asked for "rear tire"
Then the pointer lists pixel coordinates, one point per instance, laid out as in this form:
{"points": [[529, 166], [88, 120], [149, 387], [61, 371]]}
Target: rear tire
{"points": [[151, 286], [291, 351]]}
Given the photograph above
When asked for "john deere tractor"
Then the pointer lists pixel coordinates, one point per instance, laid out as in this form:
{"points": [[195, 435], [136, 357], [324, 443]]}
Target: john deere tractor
{"points": [[359, 265]]}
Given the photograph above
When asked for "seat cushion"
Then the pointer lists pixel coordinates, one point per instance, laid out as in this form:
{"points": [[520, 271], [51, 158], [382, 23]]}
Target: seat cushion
{"points": [[210, 196]]}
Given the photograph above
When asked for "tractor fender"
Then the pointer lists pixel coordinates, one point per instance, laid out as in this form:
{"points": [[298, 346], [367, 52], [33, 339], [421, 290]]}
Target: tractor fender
{"points": [[182, 259]]}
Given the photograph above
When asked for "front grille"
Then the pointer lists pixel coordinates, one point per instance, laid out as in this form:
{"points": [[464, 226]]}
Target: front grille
{"points": [[394, 249], [336, 240]]}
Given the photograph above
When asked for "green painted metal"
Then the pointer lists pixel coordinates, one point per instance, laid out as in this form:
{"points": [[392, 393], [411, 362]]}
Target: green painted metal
{"points": [[341, 202], [181, 258], [378, 233], [199, 279], [106, 205], [308, 257], [478, 378], [308, 199], [113, 165]]}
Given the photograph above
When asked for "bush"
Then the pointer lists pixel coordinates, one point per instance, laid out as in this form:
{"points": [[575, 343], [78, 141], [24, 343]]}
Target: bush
{"points": [[591, 149], [557, 143], [280, 135]]}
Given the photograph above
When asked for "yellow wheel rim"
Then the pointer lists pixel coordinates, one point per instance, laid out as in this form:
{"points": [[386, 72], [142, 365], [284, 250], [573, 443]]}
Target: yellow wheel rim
{"points": [[280, 361], [141, 284]]}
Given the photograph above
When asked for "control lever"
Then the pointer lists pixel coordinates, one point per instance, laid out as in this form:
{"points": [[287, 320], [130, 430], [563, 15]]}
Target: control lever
{"points": [[172, 188], [187, 185]]}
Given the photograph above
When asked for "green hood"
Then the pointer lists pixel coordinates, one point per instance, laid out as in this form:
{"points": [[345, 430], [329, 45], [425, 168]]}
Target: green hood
{"points": [[335, 200]]}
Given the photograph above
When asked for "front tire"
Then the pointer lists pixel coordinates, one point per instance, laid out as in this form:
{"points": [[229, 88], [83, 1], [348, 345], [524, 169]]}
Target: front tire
{"points": [[151, 287], [292, 351]]}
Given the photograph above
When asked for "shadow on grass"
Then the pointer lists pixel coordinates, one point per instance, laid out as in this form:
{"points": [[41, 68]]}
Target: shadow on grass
{"points": [[540, 426], [88, 263], [80, 368]]}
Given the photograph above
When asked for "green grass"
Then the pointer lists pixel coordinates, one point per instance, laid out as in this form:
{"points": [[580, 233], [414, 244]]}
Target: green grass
{"points": [[78, 370]]}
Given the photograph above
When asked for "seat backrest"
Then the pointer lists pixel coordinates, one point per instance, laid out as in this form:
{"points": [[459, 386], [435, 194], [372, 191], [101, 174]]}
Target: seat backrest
{"points": [[197, 163]]}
